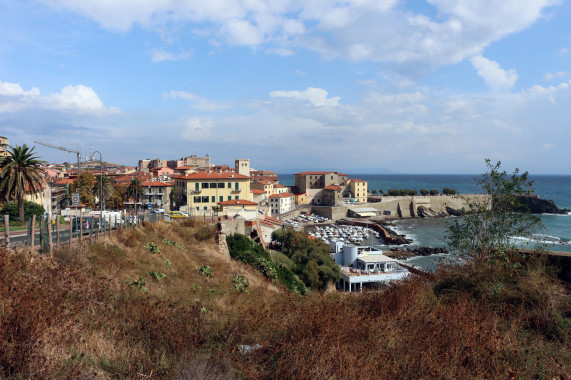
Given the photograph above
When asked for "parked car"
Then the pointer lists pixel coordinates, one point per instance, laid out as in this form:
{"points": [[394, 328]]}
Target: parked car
{"points": [[178, 214]]}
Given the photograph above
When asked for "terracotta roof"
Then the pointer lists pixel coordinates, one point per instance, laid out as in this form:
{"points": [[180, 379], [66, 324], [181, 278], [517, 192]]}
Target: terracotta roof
{"points": [[204, 175], [238, 202], [155, 184], [319, 173], [278, 185], [355, 180], [258, 191], [333, 187], [63, 181], [282, 195]]}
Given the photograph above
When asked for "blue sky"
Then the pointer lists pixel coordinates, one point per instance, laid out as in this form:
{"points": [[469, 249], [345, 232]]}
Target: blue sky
{"points": [[430, 86]]}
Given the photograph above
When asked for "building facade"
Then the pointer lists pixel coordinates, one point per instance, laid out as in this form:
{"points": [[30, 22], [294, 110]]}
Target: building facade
{"points": [[280, 203], [156, 195], [202, 191], [4, 144]]}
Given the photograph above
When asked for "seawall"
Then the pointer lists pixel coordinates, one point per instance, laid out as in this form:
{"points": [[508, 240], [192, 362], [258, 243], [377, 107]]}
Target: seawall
{"points": [[405, 206]]}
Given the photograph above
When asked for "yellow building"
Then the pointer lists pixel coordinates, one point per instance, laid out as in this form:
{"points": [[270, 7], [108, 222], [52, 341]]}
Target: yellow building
{"points": [[4, 144], [202, 191], [358, 189]]}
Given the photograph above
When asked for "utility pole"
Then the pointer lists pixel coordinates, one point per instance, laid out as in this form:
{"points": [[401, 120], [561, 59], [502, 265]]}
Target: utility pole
{"points": [[100, 189]]}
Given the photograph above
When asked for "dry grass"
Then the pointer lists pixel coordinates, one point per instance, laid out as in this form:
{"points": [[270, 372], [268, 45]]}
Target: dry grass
{"points": [[76, 317]]}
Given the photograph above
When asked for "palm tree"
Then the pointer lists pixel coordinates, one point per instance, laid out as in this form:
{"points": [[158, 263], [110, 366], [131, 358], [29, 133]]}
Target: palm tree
{"points": [[20, 174], [134, 190], [107, 186]]}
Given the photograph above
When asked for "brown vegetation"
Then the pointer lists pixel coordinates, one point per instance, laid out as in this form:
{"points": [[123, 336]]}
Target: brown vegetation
{"points": [[77, 317]]}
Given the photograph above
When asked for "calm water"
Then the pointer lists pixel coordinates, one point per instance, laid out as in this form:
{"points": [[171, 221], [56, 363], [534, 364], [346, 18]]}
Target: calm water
{"points": [[431, 232]]}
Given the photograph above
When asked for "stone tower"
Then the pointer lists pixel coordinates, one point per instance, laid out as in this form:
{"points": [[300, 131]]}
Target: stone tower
{"points": [[243, 167]]}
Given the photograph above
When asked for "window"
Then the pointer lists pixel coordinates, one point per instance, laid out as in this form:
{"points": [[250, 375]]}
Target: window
{"points": [[220, 185], [197, 208], [196, 199], [236, 197], [205, 208], [331, 177], [221, 199], [229, 185], [213, 199], [229, 197], [204, 199], [205, 185], [196, 186], [213, 185]]}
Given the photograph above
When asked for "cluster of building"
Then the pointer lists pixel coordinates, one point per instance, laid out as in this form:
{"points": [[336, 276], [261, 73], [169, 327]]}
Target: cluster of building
{"points": [[195, 185]]}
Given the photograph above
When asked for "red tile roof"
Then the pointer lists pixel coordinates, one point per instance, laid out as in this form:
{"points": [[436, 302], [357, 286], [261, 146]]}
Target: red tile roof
{"points": [[333, 187], [319, 173], [238, 202], [155, 184], [204, 175], [258, 191], [282, 195]]}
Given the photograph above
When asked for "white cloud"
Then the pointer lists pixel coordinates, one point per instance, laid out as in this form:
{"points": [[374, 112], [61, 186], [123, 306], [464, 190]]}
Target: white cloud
{"points": [[559, 74], [316, 96], [562, 51], [160, 55], [494, 76], [197, 102], [75, 98], [197, 130], [373, 30]]}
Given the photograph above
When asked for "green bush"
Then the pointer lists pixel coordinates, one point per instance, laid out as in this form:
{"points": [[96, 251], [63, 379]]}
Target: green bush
{"points": [[243, 249], [312, 259], [30, 208], [449, 191]]}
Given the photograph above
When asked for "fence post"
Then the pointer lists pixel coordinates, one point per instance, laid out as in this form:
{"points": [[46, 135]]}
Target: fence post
{"points": [[7, 230], [33, 234], [57, 231], [80, 229], [91, 229], [70, 230], [115, 224], [50, 247]]}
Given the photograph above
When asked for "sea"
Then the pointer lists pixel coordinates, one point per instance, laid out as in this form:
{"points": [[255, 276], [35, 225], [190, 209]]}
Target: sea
{"points": [[555, 234]]}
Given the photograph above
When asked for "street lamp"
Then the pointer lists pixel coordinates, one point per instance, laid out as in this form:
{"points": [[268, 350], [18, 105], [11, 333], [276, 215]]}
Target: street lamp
{"points": [[100, 189]]}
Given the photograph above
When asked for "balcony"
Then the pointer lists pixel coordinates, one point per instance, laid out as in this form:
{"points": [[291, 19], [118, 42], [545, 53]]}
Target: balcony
{"points": [[235, 191], [150, 193]]}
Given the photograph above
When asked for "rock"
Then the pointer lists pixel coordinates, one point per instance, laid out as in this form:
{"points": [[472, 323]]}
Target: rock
{"points": [[535, 205], [453, 212]]}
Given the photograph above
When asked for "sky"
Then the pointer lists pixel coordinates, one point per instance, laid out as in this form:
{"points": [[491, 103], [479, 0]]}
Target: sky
{"points": [[360, 86]]}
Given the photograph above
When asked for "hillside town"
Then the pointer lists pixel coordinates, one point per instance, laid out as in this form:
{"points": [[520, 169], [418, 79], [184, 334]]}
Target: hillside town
{"points": [[194, 186]]}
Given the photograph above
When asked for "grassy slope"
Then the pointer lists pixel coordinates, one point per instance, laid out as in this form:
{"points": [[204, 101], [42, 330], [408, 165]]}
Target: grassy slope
{"points": [[76, 316]]}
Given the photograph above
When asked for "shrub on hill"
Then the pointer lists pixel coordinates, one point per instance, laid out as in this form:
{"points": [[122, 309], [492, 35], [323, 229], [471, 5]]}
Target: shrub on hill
{"points": [[401, 192], [243, 249], [312, 259]]}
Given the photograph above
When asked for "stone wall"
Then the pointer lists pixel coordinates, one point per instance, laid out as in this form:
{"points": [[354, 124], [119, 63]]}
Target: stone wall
{"points": [[405, 206], [229, 227]]}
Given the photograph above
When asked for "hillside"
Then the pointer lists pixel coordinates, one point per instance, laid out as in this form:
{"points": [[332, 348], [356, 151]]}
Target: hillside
{"points": [[86, 315]]}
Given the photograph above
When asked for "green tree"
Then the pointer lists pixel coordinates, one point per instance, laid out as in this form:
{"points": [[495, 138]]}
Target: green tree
{"points": [[485, 232], [134, 190], [312, 259], [107, 186], [118, 198], [30, 208], [84, 185], [449, 191], [20, 174]]}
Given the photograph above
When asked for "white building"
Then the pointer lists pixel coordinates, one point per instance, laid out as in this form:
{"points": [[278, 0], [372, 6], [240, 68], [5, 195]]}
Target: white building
{"points": [[280, 203]]}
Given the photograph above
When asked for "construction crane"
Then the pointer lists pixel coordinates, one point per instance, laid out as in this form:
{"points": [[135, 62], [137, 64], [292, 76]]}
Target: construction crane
{"points": [[64, 149]]}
